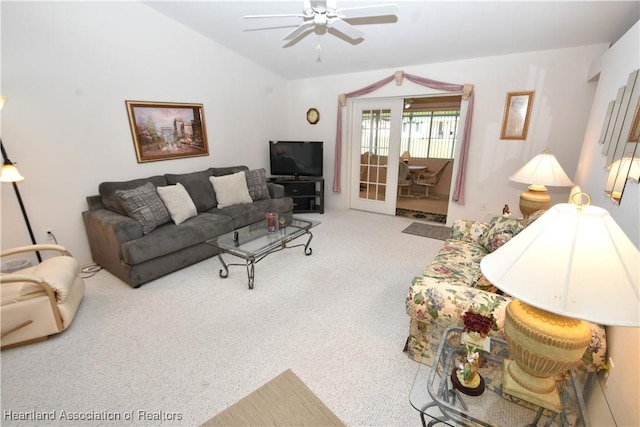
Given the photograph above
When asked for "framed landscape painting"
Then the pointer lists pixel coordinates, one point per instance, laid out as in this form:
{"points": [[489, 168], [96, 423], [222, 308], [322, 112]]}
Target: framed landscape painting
{"points": [[164, 130]]}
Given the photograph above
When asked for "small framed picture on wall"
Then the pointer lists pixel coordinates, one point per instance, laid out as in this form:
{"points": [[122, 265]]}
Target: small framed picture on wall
{"points": [[517, 111]]}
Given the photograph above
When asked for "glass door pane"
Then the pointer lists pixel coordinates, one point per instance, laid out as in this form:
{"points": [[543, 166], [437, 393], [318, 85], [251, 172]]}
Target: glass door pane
{"points": [[375, 144], [374, 152]]}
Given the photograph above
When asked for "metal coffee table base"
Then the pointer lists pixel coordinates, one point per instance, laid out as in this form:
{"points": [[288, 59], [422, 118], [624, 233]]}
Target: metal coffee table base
{"points": [[251, 261]]}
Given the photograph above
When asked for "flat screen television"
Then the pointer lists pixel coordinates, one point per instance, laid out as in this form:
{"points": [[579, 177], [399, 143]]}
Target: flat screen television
{"points": [[295, 158]]}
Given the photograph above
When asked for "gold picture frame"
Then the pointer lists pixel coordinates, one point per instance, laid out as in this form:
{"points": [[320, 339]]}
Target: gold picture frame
{"points": [[517, 112], [167, 130]]}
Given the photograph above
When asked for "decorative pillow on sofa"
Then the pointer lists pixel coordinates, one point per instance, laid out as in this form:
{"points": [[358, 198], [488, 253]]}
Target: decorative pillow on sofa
{"points": [[484, 284], [501, 230], [144, 204], [257, 184], [107, 190], [178, 202], [198, 186], [528, 220], [231, 189]]}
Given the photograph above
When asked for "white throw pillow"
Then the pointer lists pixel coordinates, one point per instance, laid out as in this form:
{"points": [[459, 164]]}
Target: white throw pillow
{"points": [[178, 203], [231, 189]]}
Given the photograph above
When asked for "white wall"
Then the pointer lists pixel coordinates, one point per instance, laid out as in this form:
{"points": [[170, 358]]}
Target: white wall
{"points": [[614, 68], [559, 116], [68, 67]]}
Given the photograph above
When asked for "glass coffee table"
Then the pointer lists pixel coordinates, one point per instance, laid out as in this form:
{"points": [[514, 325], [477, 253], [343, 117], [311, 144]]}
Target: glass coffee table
{"points": [[435, 397], [253, 242]]}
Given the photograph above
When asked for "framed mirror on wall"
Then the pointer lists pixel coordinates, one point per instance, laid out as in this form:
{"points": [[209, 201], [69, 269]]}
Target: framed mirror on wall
{"points": [[634, 135], [620, 135], [605, 128], [609, 125], [517, 112]]}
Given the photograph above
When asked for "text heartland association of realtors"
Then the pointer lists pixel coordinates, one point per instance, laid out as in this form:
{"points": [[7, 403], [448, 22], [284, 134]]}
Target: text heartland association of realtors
{"points": [[62, 415]]}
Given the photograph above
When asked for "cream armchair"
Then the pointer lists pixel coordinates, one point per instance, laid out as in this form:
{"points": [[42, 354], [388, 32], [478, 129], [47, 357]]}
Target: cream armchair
{"points": [[40, 300]]}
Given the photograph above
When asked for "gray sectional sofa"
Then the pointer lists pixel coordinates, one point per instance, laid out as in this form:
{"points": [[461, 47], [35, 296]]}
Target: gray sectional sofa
{"points": [[138, 251]]}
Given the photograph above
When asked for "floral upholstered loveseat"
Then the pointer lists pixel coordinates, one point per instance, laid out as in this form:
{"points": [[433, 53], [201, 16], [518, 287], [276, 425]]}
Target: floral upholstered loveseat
{"points": [[453, 282]]}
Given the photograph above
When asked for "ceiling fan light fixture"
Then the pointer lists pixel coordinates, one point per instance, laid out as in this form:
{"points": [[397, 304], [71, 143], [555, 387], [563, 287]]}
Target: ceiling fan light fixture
{"points": [[325, 14], [320, 19]]}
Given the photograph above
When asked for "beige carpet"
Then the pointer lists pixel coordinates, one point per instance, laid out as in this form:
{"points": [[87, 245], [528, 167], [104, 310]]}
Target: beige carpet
{"points": [[283, 401], [230, 340]]}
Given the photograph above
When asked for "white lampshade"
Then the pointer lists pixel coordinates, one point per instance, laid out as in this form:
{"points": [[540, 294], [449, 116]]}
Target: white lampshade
{"points": [[10, 173], [543, 169], [575, 262]]}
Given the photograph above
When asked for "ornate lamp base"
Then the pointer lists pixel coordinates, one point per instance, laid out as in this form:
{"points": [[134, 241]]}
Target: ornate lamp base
{"points": [[510, 387], [542, 346]]}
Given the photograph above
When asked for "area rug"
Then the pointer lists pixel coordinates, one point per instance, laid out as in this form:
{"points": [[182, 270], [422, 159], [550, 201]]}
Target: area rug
{"points": [[422, 215], [426, 230], [283, 401]]}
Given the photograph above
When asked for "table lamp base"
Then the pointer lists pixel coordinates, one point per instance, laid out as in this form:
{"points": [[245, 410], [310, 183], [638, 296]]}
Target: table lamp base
{"points": [[510, 387], [534, 200], [542, 345]]}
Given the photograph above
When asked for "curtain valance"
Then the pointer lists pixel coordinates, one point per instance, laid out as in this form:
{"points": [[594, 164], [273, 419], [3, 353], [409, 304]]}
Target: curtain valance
{"points": [[399, 76]]}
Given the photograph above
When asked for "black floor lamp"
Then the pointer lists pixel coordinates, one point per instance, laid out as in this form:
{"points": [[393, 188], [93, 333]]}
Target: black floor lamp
{"points": [[11, 174]]}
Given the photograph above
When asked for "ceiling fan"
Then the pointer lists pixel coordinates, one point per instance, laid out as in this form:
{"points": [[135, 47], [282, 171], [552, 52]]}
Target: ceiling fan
{"points": [[322, 14]]}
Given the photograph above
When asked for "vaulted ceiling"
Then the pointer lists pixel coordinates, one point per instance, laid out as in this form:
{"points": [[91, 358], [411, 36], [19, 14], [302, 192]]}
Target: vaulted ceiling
{"points": [[424, 31]]}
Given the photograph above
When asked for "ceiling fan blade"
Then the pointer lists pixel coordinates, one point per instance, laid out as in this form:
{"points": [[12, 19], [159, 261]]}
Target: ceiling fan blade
{"points": [[286, 15], [305, 26], [345, 28], [367, 11]]}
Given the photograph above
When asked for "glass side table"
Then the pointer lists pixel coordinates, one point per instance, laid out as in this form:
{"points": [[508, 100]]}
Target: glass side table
{"points": [[435, 398]]}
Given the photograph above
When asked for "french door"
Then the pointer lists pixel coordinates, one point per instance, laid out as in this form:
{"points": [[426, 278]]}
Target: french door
{"points": [[375, 154]]}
